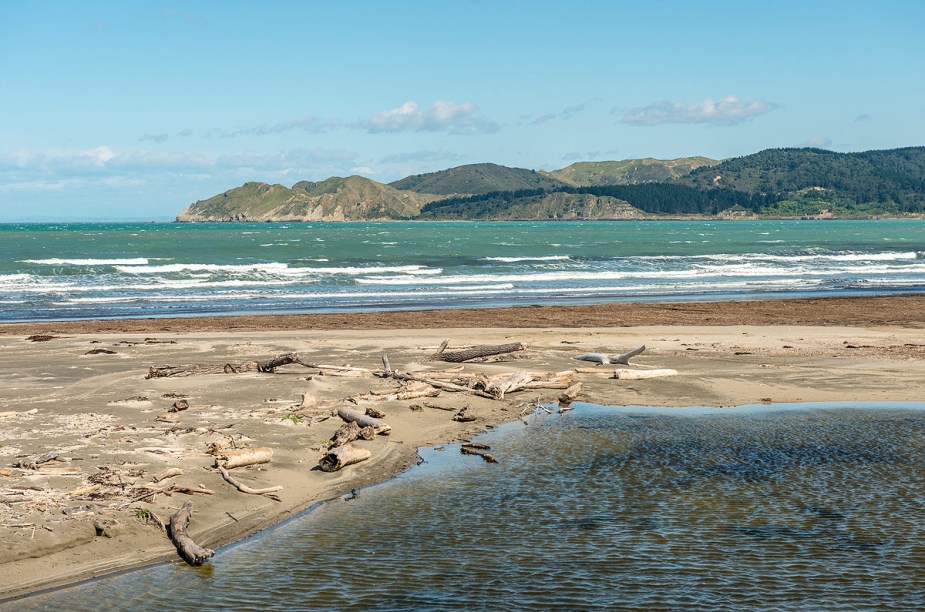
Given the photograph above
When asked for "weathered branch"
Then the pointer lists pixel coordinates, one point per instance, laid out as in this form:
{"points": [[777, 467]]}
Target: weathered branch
{"points": [[192, 553], [243, 488], [605, 358]]}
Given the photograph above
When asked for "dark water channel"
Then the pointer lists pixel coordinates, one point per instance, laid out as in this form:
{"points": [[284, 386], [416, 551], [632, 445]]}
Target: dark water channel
{"points": [[751, 508]]}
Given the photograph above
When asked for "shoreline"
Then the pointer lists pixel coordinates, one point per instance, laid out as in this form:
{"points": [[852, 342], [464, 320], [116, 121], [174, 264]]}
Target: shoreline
{"points": [[903, 309], [97, 405]]}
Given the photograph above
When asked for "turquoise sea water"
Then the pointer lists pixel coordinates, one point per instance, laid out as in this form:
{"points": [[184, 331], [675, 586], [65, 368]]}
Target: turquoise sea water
{"points": [[808, 507], [72, 271]]}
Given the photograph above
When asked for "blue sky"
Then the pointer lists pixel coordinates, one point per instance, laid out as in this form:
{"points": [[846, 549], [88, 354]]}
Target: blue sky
{"points": [[133, 110]]}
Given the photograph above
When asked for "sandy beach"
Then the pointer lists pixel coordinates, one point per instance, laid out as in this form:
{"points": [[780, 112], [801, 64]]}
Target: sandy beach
{"points": [[80, 389]]}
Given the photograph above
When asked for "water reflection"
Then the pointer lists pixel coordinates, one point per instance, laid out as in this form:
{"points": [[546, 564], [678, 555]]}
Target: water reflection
{"points": [[819, 509]]}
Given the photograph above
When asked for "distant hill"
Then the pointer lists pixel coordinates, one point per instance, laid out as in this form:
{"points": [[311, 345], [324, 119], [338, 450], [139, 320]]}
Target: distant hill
{"points": [[890, 181], [353, 198], [775, 183], [476, 179], [628, 171], [539, 206]]}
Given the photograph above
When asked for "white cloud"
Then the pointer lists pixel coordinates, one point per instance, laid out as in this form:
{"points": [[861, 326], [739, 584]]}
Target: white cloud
{"points": [[442, 116], [818, 142], [727, 111]]}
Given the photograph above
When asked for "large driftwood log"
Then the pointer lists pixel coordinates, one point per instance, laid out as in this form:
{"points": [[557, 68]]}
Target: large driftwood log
{"points": [[605, 358], [439, 384], [193, 369], [192, 553], [243, 488], [643, 374], [342, 456], [363, 420], [479, 351], [348, 432], [244, 456], [507, 383], [568, 396]]}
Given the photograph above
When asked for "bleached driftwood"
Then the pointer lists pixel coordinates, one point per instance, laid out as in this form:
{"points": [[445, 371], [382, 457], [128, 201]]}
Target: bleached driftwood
{"points": [[192, 553], [224, 368], [499, 385], [605, 358], [478, 351], [568, 396], [241, 457], [342, 456], [168, 473], [243, 488], [642, 374], [363, 420], [439, 384]]}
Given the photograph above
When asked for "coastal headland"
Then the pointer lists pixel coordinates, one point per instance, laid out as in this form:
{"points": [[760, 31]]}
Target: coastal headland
{"points": [[79, 390]]}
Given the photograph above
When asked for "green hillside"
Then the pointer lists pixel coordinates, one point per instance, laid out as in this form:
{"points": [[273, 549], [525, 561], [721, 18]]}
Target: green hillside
{"points": [[871, 182], [353, 198], [628, 171], [476, 179], [538, 207]]}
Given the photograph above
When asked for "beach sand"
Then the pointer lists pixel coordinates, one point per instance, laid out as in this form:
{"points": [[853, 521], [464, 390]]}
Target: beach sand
{"points": [[80, 388]]}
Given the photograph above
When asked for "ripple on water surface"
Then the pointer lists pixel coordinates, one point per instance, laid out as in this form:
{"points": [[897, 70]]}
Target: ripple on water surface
{"points": [[815, 509]]}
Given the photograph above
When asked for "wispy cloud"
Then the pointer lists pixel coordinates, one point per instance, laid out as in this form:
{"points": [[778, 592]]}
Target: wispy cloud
{"points": [[158, 138], [170, 14], [591, 155], [52, 170], [727, 111], [309, 124], [442, 116], [566, 113], [419, 156]]}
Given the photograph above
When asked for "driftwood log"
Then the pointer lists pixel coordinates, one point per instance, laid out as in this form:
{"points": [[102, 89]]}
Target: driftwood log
{"points": [[348, 432], [342, 456], [192, 553], [605, 358], [478, 351], [363, 420], [241, 457], [243, 488], [568, 396], [168, 473], [225, 368], [643, 374]]}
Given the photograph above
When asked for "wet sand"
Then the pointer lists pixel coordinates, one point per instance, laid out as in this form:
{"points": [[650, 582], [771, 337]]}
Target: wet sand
{"points": [[83, 392]]}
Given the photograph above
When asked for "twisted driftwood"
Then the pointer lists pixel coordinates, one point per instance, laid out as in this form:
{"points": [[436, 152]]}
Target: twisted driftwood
{"points": [[605, 358], [225, 368], [192, 553], [243, 488]]}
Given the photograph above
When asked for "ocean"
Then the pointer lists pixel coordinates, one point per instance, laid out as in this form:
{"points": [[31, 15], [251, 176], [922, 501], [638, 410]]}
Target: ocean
{"points": [[113, 270], [808, 507]]}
